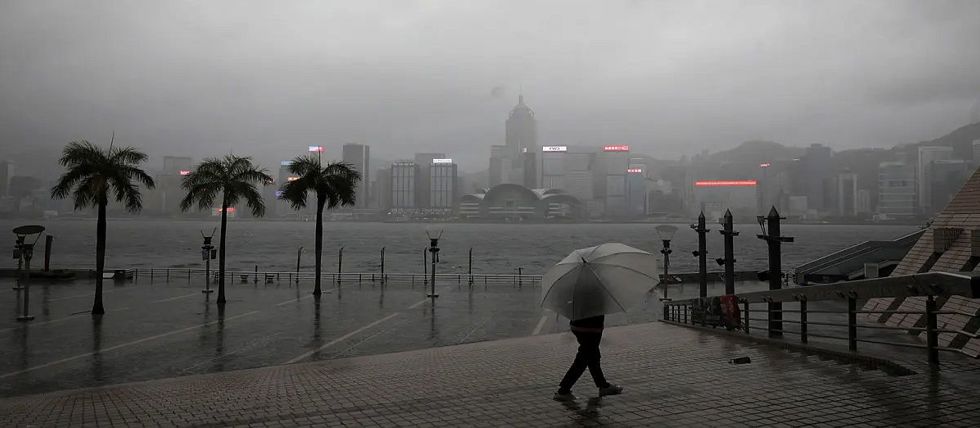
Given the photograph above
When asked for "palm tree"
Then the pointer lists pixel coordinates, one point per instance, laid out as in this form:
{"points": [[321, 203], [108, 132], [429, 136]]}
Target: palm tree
{"points": [[333, 184], [91, 174], [233, 178]]}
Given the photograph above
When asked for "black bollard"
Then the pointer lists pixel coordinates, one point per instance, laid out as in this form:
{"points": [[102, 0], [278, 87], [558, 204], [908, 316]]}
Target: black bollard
{"points": [[48, 241], [775, 275], [728, 231], [702, 255]]}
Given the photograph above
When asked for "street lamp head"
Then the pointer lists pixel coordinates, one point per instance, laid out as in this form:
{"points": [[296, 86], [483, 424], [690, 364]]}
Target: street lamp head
{"points": [[23, 232], [666, 231]]}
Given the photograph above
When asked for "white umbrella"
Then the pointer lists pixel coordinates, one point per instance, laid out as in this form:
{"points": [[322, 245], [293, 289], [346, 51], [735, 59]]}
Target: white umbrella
{"points": [[599, 280]]}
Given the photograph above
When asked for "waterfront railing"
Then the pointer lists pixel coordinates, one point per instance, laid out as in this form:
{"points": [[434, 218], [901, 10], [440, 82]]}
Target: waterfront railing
{"points": [[810, 312]]}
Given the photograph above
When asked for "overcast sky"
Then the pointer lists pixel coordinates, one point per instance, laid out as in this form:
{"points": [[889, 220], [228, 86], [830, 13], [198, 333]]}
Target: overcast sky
{"points": [[268, 78]]}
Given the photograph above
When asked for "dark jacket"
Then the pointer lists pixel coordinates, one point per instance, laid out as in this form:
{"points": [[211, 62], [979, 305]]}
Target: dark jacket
{"points": [[591, 324]]}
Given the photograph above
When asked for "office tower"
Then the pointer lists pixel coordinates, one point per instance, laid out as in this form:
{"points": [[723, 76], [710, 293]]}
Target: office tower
{"points": [[896, 189], [521, 139], [443, 184], [636, 190], [382, 189], [358, 156], [553, 167], [403, 184], [946, 177], [847, 194], [613, 163], [814, 177], [927, 156], [422, 162], [499, 165]]}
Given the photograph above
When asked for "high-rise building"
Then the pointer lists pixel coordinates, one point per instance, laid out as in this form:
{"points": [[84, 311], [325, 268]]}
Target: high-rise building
{"points": [[422, 162], [443, 184], [847, 194], [927, 156], [814, 177], [521, 140], [613, 164], [946, 178], [499, 165], [636, 190], [165, 197], [896, 189], [358, 156], [404, 177], [382, 188], [553, 167]]}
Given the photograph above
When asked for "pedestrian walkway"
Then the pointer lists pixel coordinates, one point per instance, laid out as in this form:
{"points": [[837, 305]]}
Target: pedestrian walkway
{"points": [[673, 376]]}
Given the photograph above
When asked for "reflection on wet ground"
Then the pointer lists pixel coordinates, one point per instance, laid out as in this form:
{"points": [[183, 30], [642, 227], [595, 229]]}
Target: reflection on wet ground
{"points": [[163, 330]]}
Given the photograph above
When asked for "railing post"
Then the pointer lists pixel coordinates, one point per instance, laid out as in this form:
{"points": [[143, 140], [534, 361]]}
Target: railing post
{"points": [[932, 333], [666, 314], [803, 319], [685, 313], [745, 308], [851, 323]]}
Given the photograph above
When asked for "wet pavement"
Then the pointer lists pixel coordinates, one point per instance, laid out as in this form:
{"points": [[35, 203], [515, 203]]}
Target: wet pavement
{"points": [[162, 330], [673, 376]]}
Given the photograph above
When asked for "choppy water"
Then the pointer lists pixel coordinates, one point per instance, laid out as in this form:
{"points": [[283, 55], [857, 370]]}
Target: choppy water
{"points": [[500, 248]]}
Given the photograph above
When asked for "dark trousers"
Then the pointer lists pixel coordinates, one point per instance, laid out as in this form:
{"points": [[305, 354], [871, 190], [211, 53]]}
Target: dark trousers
{"points": [[587, 356]]}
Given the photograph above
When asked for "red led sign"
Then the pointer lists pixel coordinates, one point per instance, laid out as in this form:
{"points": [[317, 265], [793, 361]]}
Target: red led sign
{"points": [[623, 148], [725, 183]]}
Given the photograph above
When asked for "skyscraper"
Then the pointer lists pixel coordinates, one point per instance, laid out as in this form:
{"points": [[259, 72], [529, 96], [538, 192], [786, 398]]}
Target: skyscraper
{"points": [[928, 155], [358, 156], [403, 180], [423, 162], [522, 145], [443, 184]]}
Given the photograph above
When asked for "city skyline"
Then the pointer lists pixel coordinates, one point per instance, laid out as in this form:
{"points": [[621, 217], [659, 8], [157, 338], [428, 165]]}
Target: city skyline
{"points": [[172, 79]]}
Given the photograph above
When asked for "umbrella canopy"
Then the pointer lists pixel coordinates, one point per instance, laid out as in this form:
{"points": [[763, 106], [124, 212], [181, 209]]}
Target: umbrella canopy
{"points": [[599, 280]]}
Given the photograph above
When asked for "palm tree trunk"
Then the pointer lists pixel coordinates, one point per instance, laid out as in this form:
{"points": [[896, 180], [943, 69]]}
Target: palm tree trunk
{"points": [[319, 244], [97, 308], [221, 253]]}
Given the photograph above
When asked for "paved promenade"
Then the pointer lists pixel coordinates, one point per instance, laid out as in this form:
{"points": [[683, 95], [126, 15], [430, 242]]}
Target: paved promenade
{"points": [[673, 376]]}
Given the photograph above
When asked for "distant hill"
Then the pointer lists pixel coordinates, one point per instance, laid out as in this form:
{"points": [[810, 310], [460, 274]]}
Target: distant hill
{"points": [[961, 140], [757, 151]]}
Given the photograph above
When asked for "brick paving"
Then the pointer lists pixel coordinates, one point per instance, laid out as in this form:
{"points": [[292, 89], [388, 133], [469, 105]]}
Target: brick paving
{"points": [[673, 376]]}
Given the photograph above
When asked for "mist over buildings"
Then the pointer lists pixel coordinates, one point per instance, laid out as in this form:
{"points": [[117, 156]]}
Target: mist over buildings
{"points": [[668, 78]]}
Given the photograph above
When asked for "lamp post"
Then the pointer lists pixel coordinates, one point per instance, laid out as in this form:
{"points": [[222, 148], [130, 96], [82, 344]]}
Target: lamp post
{"points": [[666, 233], [207, 253], [702, 255], [434, 249], [25, 251]]}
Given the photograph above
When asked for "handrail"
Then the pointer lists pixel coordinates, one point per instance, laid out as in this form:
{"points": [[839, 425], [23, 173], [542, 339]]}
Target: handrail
{"points": [[929, 285], [939, 284]]}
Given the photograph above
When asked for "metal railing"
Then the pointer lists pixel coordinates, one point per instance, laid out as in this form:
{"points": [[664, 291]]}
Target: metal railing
{"points": [[289, 277], [739, 314]]}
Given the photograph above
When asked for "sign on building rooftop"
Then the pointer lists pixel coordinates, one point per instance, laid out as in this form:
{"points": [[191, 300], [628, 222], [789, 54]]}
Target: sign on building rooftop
{"points": [[554, 148], [446, 160], [620, 148]]}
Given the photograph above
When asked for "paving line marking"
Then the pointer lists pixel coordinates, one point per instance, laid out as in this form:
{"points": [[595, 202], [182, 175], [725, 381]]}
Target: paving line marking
{"points": [[540, 325], [123, 345], [341, 338], [308, 296], [69, 317], [176, 298]]}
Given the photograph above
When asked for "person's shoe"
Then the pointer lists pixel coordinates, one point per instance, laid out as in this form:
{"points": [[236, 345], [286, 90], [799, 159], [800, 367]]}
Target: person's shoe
{"points": [[610, 390], [564, 396]]}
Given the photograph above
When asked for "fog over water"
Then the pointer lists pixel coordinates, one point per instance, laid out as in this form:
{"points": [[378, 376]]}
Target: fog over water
{"points": [[670, 78]]}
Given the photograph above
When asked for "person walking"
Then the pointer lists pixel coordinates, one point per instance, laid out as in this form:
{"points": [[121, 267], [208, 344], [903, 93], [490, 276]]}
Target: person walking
{"points": [[588, 332]]}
